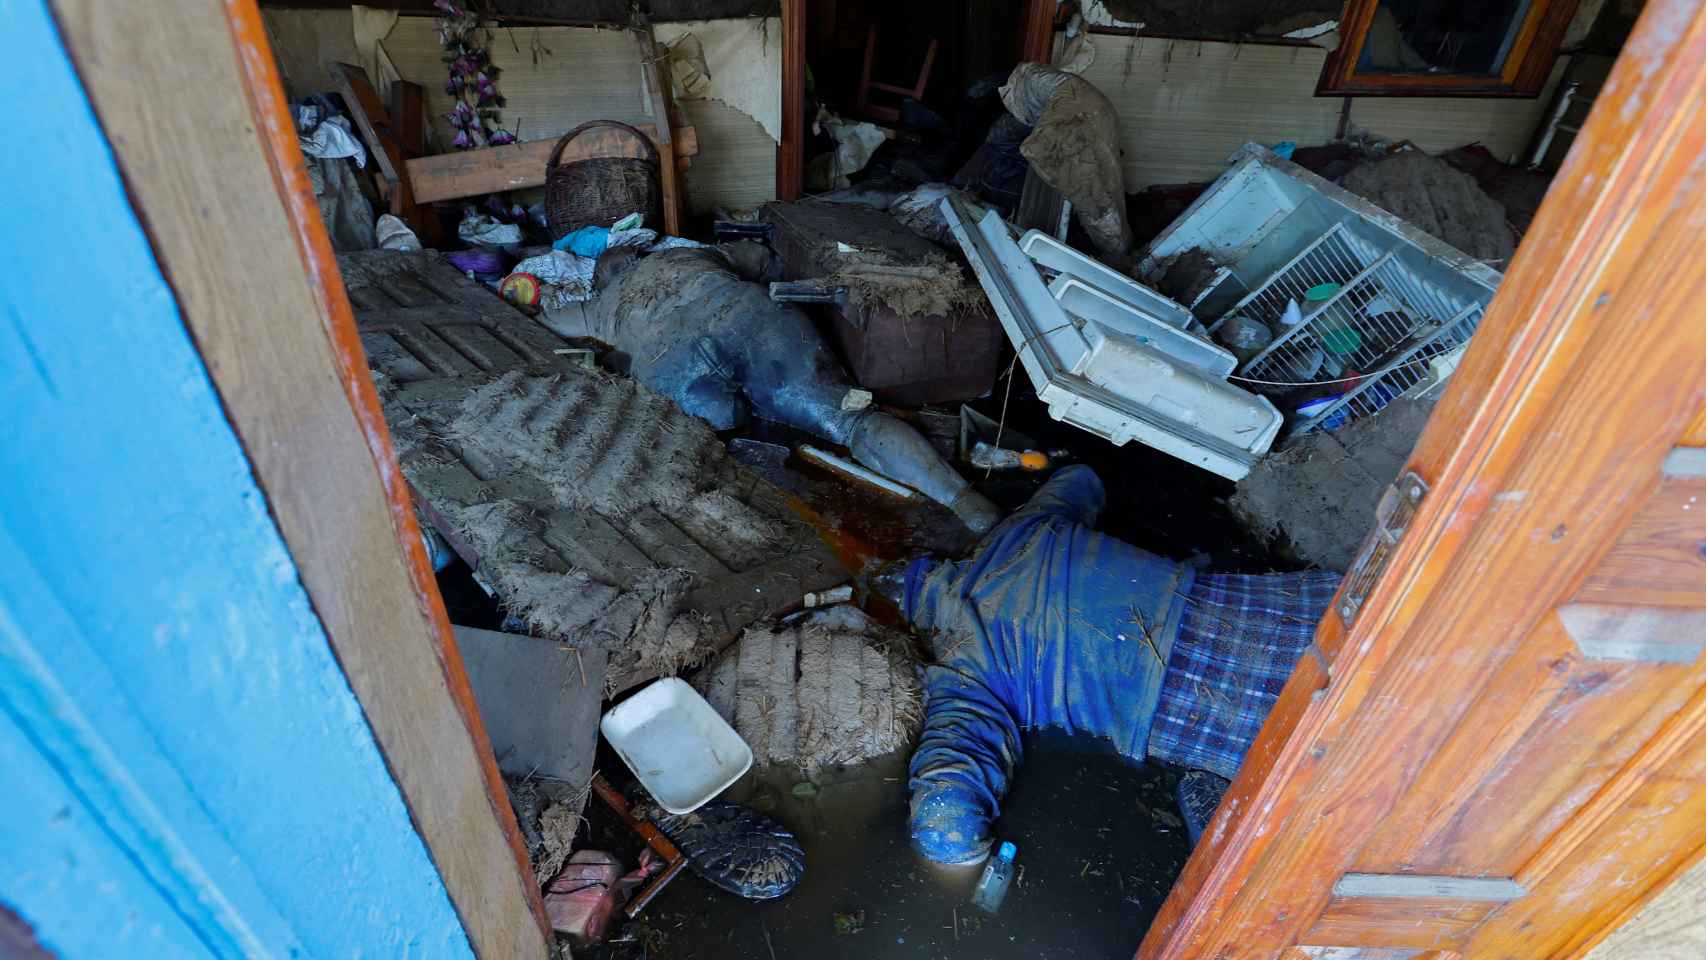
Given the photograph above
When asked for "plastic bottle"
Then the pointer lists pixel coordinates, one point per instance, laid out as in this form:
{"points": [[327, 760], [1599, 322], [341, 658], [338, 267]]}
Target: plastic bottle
{"points": [[991, 457], [997, 874]]}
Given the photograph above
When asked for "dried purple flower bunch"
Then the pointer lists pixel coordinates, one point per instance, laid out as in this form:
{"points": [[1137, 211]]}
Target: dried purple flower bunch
{"points": [[472, 79]]}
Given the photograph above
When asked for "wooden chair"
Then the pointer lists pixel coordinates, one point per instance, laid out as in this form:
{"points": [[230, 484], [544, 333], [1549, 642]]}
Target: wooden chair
{"points": [[866, 84]]}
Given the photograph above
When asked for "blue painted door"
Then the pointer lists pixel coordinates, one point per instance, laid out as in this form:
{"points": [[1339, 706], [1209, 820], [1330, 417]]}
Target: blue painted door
{"points": [[184, 770]]}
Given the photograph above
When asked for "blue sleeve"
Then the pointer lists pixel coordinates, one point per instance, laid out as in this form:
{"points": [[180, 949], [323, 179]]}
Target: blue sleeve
{"points": [[959, 773]]}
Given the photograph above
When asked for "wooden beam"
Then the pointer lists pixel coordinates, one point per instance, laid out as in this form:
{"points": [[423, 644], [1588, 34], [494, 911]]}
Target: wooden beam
{"points": [[654, 66], [517, 166], [1036, 33], [791, 152], [190, 99]]}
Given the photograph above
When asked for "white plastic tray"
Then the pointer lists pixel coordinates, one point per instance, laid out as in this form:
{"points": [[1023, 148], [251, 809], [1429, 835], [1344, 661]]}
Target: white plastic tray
{"points": [[1092, 304], [1112, 386], [1066, 261], [682, 751]]}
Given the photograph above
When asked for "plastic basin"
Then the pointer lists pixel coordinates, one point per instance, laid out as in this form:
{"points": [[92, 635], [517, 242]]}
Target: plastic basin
{"points": [[681, 750]]}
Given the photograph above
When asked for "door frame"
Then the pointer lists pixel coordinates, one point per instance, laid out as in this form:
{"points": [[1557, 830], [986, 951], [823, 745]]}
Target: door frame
{"points": [[1548, 444]]}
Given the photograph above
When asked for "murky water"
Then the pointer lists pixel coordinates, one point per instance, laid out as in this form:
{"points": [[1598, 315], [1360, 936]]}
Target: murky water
{"points": [[1100, 843]]}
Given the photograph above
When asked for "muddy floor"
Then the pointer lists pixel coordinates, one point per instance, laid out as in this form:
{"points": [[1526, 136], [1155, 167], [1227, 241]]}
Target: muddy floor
{"points": [[1100, 843]]}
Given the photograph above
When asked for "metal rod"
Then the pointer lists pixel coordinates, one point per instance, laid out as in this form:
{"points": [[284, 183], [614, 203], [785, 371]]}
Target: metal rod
{"points": [[672, 856], [1255, 363], [1376, 377]]}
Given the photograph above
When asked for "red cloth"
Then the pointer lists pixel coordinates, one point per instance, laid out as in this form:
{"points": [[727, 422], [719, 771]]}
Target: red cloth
{"points": [[581, 898]]}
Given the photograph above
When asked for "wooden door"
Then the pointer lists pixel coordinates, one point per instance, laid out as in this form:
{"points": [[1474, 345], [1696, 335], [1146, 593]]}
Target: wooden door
{"points": [[1499, 750]]}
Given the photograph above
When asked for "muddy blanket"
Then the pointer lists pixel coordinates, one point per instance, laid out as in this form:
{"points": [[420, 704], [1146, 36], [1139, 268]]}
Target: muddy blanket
{"points": [[1075, 147]]}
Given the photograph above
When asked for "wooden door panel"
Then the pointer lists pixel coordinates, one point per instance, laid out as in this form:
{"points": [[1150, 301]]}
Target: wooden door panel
{"points": [[1594, 721], [1516, 698], [1604, 877], [1511, 726], [1414, 923], [1660, 560]]}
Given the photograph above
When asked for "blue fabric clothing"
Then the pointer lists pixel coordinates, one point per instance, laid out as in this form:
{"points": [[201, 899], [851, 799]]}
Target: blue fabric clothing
{"points": [[1238, 640], [585, 242], [1048, 624]]}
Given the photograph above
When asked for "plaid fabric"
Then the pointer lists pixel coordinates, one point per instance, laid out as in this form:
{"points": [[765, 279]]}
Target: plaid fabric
{"points": [[1238, 640]]}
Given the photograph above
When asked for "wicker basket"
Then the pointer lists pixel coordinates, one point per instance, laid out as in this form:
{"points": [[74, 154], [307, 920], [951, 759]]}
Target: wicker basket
{"points": [[601, 190]]}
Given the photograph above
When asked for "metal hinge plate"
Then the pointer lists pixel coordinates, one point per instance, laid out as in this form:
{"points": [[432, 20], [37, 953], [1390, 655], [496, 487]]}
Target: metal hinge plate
{"points": [[1392, 518]]}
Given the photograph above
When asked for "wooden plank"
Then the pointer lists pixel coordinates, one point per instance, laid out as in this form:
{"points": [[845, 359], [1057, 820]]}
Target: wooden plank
{"points": [[372, 120], [191, 101], [518, 166], [408, 117], [1416, 923], [1036, 31], [654, 66], [791, 153], [1590, 364], [1660, 560]]}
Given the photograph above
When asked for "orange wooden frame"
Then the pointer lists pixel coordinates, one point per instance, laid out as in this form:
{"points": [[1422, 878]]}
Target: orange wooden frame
{"points": [[1457, 729], [1523, 73]]}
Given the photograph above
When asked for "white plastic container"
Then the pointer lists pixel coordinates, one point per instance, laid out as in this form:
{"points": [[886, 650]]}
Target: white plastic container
{"points": [[1107, 383], [1116, 316], [682, 751], [1057, 256]]}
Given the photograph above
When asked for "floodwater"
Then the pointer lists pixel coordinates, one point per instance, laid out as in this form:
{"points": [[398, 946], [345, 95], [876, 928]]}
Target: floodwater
{"points": [[1100, 844]]}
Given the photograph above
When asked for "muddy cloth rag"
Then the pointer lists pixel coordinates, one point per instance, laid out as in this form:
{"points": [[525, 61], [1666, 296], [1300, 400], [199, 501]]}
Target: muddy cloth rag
{"points": [[1048, 624], [1074, 147], [1051, 624]]}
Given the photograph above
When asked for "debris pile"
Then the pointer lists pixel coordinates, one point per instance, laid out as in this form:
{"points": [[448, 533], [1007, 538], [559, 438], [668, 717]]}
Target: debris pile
{"points": [[831, 688], [1440, 199]]}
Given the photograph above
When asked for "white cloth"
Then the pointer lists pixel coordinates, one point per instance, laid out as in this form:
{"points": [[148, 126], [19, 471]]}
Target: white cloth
{"points": [[333, 139], [394, 234], [485, 231]]}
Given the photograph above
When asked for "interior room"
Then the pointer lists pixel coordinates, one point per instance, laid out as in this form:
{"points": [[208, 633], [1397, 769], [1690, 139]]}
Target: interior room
{"points": [[822, 478]]}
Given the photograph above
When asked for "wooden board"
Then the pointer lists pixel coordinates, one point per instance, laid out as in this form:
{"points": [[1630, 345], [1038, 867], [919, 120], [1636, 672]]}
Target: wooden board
{"points": [[539, 700], [654, 67], [791, 152], [1460, 732], [518, 166], [191, 102], [436, 336]]}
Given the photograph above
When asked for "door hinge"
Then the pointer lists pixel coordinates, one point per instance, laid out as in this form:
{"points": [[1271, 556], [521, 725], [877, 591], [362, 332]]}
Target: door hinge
{"points": [[1392, 518]]}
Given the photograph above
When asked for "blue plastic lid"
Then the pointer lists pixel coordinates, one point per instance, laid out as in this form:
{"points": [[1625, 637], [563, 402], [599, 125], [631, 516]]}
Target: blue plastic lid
{"points": [[1008, 851]]}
